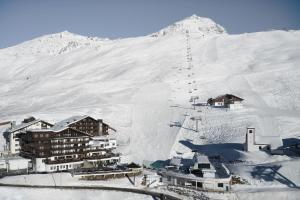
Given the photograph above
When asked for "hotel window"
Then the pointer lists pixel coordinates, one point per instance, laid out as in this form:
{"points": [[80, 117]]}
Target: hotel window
{"points": [[220, 184]]}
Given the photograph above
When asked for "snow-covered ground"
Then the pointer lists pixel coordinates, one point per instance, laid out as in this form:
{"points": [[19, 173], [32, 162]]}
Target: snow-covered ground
{"points": [[66, 179], [7, 193], [142, 85]]}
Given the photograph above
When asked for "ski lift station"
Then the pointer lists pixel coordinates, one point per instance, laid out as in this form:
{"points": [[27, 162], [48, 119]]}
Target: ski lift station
{"points": [[197, 173]]}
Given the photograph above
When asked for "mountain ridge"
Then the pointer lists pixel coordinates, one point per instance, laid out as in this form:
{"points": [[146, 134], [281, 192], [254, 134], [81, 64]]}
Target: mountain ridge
{"points": [[65, 41]]}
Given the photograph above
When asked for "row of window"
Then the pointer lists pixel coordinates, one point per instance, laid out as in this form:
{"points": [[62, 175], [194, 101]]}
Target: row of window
{"points": [[64, 151], [41, 135], [70, 140], [192, 183], [85, 127], [61, 167], [64, 146]]}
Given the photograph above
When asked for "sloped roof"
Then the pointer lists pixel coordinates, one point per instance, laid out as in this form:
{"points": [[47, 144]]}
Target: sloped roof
{"points": [[133, 165], [24, 125], [198, 158], [66, 122], [49, 129], [176, 161], [227, 96], [55, 130]]}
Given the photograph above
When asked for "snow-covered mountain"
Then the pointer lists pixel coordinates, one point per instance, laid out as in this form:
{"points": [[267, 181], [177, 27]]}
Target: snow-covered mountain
{"points": [[193, 24], [141, 85], [55, 44]]}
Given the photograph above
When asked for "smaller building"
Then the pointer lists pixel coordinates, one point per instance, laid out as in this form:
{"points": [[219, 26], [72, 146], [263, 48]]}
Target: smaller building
{"points": [[271, 144], [197, 173], [15, 163], [226, 101]]}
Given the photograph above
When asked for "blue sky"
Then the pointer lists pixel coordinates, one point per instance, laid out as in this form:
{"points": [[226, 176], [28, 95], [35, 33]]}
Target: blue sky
{"points": [[21, 20]]}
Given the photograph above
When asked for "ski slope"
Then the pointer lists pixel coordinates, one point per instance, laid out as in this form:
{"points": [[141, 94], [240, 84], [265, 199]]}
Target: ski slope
{"points": [[141, 85]]}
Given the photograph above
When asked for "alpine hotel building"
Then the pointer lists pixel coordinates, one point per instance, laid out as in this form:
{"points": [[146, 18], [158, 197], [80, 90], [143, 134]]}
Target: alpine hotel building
{"points": [[68, 144]]}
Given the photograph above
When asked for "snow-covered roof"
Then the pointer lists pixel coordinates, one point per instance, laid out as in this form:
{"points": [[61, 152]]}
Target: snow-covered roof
{"points": [[227, 96], [49, 129], [23, 125], [185, 175], [176, 161], [66, 122], [55, 130], [199, 158]]}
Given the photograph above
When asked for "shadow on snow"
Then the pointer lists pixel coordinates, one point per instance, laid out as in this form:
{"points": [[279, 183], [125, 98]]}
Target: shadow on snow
{"points": [[270, 173], [228, 151]]}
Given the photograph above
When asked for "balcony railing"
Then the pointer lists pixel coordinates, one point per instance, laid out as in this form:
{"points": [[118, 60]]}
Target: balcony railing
{"points": [[60, 161], [69, 142], [68, 160]]}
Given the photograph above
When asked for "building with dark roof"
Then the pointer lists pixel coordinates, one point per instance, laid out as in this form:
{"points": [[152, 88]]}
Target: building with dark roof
{"points": [[226, 101]]}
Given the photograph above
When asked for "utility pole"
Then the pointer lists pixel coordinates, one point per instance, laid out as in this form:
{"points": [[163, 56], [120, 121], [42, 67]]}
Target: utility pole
{"points": [[196, 119], [193, 99], [134, 179]]}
